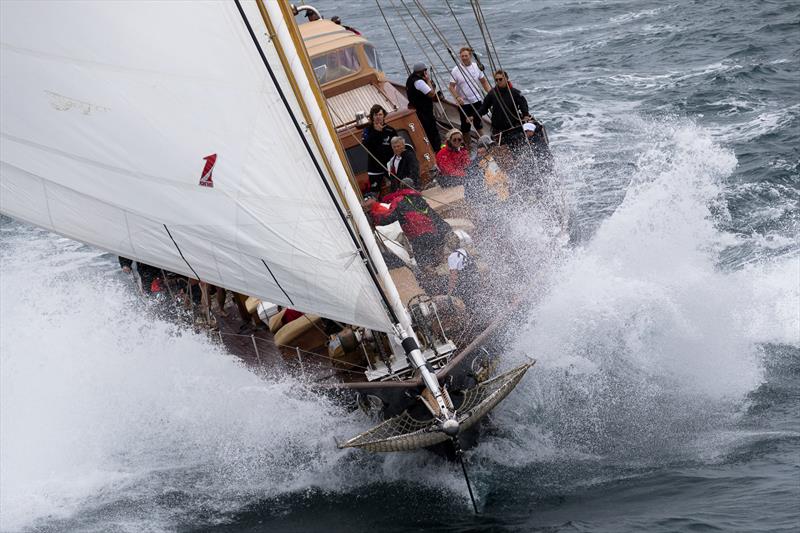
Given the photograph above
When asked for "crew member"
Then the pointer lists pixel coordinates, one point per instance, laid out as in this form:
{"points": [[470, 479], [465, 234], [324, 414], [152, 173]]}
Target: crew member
{"points": [[148, 275], [423, 226], [453, 159], [466, 81], [377, 140], [402, 165], [494, 183], [421, 95], [464, 279], [336, 20], [539, 145], [509, 110]]}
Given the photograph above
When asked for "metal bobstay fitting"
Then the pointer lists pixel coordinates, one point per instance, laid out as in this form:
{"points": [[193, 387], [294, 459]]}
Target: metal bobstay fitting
{"points": [[450, 427], [447, 416]]}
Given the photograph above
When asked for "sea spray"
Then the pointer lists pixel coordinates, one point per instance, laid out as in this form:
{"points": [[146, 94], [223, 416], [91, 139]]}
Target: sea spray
{"points": [[115, 416], [101, 400], [643, 340]]}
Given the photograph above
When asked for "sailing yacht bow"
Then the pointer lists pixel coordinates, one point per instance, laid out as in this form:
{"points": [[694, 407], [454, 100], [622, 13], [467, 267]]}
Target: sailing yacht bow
{"points": [[190, 137]]}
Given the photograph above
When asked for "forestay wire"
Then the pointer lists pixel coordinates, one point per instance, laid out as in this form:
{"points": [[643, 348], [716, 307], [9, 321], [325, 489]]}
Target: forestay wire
{"points": [[389, 26], [434, 74], [443, 39], [491, 50]]}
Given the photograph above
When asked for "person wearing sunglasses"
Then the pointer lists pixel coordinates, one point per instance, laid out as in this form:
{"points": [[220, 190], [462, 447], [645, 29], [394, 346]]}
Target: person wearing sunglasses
{"points": [[453, 159], [508, 107]]}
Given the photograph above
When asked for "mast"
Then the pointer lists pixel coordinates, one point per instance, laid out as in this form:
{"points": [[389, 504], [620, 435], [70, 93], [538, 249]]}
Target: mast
{"points": [[279, 18]]}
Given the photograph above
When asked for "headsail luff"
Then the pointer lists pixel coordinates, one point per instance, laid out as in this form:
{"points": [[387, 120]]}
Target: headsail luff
{"points": [[110, 112], [280, 18]]}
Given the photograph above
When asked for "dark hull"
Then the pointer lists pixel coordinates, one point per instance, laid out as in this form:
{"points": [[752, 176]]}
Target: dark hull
{"points": [[474, 363]]}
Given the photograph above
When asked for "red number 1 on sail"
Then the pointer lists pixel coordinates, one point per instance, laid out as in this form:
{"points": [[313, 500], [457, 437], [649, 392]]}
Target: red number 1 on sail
{"points": [[206, 179]]}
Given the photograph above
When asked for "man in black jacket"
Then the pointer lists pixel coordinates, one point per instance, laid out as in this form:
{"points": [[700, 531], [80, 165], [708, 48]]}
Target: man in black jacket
{"points": [[421, 92], [509, 109]]}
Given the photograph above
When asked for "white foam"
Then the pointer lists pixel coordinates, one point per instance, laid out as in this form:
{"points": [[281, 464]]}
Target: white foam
{"points": [[101, 403], [766, 122], [635, 15], [641, 334], [97, 396]]}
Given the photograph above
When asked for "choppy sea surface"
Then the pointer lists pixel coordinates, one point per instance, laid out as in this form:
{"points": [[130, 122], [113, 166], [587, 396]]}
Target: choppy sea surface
{"points": [[666, 396]]}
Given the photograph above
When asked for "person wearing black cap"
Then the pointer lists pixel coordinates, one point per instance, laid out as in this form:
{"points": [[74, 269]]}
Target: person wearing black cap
{"points": [[337, 20], [421, 92]]}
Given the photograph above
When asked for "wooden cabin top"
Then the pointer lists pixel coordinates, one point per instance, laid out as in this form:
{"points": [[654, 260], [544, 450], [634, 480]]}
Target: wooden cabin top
{"points": [[342, 61], [322, 36]]}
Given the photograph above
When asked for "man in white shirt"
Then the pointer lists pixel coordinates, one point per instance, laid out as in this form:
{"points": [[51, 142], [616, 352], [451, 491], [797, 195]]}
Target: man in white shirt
{"points": [[466, 81]]}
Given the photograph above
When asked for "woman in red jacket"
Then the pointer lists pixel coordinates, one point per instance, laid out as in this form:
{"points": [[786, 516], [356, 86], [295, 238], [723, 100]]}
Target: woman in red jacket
{"points": [[453, 160]]}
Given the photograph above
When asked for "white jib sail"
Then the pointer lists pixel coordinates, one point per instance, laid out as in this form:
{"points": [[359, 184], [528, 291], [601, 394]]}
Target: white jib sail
{"points": [[113, 113]]}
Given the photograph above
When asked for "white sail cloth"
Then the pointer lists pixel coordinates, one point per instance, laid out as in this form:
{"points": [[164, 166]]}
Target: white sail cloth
{"points": [[108, 111]]}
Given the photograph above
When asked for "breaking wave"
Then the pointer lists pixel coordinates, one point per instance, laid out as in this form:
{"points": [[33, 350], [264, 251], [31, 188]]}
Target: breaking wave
{"points": [[645, 340]]}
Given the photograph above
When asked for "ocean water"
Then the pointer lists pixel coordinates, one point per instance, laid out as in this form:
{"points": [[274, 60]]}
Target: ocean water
{"points": [[666, 396]]}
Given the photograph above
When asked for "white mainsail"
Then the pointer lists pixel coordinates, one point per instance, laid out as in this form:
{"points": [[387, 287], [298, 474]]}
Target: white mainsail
{"points": [[111, 115]]}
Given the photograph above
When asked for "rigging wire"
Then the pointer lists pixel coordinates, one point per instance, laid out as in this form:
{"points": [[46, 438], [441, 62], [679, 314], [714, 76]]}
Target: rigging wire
{"points": [[488, 32], [197, 277], [437, 80], [489, 41], [463, 34], [405, 63], [492, 64], [443, 39]]}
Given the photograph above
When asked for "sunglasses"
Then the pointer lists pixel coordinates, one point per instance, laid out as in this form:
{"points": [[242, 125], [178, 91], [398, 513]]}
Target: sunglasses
{"points": [[499, 79], [456, 138]]}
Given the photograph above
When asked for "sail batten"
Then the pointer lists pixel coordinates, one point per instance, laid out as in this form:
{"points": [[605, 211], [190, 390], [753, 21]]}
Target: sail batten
{"points": [[108, 132]]}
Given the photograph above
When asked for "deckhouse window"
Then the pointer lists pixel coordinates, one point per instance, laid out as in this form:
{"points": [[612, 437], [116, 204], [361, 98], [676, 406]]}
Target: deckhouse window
{"points": [[372, 57], [335, 65]]}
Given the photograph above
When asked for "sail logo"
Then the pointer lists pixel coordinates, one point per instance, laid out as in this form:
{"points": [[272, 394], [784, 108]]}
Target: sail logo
{"points": [[206, 179]]}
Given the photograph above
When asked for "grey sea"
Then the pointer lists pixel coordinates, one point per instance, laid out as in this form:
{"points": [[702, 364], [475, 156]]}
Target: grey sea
{"points": [[666, 396]]}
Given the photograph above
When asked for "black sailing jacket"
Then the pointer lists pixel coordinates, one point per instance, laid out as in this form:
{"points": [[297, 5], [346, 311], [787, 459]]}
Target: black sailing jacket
{"points": [[504, 104]]}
